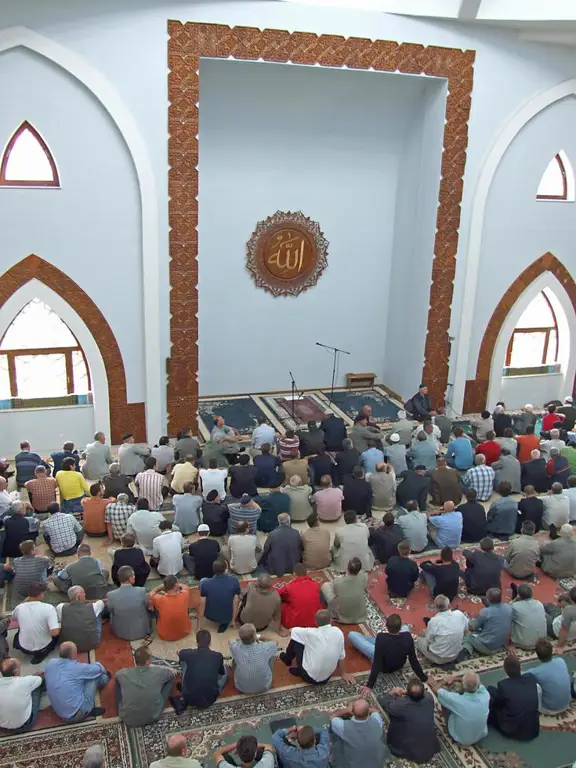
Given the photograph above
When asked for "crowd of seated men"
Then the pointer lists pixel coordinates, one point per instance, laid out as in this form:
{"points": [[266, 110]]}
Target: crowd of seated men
{"points": [[223, 494]]}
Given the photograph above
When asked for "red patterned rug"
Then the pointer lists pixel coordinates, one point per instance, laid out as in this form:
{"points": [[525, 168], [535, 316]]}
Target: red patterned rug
{"points": [[305, 409]]}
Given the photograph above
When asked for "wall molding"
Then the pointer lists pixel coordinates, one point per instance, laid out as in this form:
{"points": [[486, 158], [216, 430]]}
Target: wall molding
{"points": [[187, 44], [123, 416], [108, 96], [493, 341], [489, 167]]}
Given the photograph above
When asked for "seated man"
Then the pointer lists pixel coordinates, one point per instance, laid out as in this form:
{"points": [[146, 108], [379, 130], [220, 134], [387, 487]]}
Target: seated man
{"points": [[142, 691], [176, 754], [460, 454], [384, 539], [199, 561], [273, 505], [388, 651], [167, 550], [86, 572], [184, 471], [41, 490], [252, 661], [528, 618], [468, 718], [559, 556], [249, 752], [556, 509], [18, 527], [80, 621], [295, 465], [490, 630], [530, 507], [371, 457], [213, 479], [508, 469], [71, 685], [316, 552], [144, 525], [480, 478], [29, 568], [357, 736], [219, 596], [401, 572], [346, 595], [203, 672], [503, 513], [261, 605], [358, 492], [128, 607], [443, 576], [334, 430], [523, 553], [283, 548], [534, 472], [117, 484], [150, 485], [514, 703], [483, 568], [243, 550], [268, 468], [133, 557], [561, 620], [215, 515], [328, 500], [187, 510], [489, 448], [553, 678], [382, 483], [300, 600], [442, 639], [299, 495], [318, 651], [20, 697], [38, 625], [414, 525], [116, 516], [94, 511], [62, 532], [446, 526], [414, 486], [72, 487], [171, 601], [306, 745], [321, 464], [423, 452], [243, 478], [445, 484], [411, 712], [473, 517], [247, 511], [68, 452], [352, 541]]}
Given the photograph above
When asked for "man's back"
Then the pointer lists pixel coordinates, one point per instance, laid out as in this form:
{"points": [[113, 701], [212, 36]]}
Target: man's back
{"points": [[408, 717], [473, 521], [528, 623], [142, 702], [556, 683], [384, 541], [516, 708], [445, 485], [559, 558], [201, 669], [468, 719], [486, 570], [316, 552], [359, 742], [86, 572], [414, 528], [501, 518], [129, 617], [414, 487], [522, 556]]}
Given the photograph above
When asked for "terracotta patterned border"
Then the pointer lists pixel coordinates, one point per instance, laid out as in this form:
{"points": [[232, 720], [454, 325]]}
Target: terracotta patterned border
{"points": [[188, 43], [476, 392], [124, 416]]}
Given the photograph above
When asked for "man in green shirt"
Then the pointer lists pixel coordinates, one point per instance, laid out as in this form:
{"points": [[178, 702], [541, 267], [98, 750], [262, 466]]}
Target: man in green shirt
{"points": [[346, 595], [143, 690]]}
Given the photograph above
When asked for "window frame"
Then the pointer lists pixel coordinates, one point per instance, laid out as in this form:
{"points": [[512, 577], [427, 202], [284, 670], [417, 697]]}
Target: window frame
{"points": [[4, 182], [540, 329], [564, 195]]}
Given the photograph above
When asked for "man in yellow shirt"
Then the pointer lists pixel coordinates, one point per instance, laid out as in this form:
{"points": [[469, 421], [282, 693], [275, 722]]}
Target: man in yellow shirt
{"points": [[72, 486], [184, 472]]}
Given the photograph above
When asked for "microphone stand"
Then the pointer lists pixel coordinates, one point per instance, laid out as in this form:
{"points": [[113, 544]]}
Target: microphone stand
{"points": [[294, 390], [335, 352]]}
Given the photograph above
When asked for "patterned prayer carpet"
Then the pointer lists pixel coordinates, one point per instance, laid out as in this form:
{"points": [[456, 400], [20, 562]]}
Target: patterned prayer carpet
{"points": [[384, 407], [242, 413]]}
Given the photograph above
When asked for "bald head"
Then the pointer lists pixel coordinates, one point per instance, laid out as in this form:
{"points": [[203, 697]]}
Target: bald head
{"points": [[470, 682], [480, 459], [360, 709], [68, 650], [265, 581], [176, 746], [449, 506]]}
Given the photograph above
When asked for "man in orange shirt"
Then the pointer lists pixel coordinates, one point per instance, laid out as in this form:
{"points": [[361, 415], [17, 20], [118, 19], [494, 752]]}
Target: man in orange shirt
{"points": [[171, 601], [300, 600], [526, 444], [93, 511]]}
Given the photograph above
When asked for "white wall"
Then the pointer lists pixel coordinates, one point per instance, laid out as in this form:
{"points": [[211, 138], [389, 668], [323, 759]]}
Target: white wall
{"points": [[46, 429], [516, 391]]}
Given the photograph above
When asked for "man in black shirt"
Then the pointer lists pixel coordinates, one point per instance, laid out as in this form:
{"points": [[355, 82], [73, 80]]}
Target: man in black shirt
{"points": [[202, 553], [311, 440], [133, 556], [321, 465], [531, 507], [569, 412], [269, 468], [346, 460], [534, 473], [388, 651], [402, 572], [385, 538], [502, 420], [19, 527], [514, 703], [357, 493], [116, 483], [414, 486], [215, 515], [334, 432], [242, 478], [203, 672], [442, 576], [483, 568], [473, 518], [412, 733]]}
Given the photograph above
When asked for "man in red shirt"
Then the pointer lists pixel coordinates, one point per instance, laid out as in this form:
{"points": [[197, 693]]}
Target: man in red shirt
{"points": [[526, 444], [550, 420], [300, 600], [490, 448]]}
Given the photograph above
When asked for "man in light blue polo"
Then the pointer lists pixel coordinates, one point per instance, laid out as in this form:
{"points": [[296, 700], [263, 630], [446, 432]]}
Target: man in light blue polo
{"points": [[371, 457], [71, 685], [468, 718], [460, 454], [446, 526]]}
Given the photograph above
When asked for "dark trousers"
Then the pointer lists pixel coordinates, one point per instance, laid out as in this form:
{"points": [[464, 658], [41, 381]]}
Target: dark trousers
{"points": [[72, 550], [295, 650], [468, 581], [37, 656]]}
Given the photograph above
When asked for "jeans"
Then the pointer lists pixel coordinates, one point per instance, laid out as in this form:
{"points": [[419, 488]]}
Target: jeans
{"points": [[363, 643], [429, 579], [70, 506], [90, 688]]}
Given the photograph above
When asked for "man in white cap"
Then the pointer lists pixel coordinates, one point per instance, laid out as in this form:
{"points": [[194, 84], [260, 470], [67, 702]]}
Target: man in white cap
{"points": [[403, 428], [395, 453], [569, 412], [526, 419]]}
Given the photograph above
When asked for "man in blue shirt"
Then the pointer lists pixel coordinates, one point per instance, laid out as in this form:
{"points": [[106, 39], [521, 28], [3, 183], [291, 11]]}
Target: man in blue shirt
{"points": [[468, 718], [303, 747], [489, 631], [220, 593], [460, 453], [67, 452], [554, 680], [358, 738], [71, 685], [423, 452], [446, 526], [371, 457]]}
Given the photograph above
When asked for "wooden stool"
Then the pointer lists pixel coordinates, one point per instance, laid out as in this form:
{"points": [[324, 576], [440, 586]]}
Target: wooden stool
{"points": [[360, 380]]}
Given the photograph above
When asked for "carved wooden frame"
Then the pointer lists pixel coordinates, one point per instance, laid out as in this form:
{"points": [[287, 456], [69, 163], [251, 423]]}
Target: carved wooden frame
{"points": [[187, 44], [124, 416], [476, 392]]}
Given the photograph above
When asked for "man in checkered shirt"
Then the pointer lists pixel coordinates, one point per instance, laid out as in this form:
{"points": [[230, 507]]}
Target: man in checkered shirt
{"points": [[62, 532], [480, 477], [116, 516]]}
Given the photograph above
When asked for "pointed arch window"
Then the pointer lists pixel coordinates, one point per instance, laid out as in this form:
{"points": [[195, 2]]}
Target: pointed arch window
{"points": [[27, 161], [535, 340], [41, 358], [557, 182]]}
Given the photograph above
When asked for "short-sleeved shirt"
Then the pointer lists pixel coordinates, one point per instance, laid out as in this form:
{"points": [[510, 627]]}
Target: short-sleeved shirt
{"points": [[220, 592], [43, 492], [468, 719], [173, 621], [556, 681], [94, 510], [214, 480], [167, 548], [323, 649], [253, 671], [184, 473], [71, 484], [35, 620], [16, 699], [266, 761], [493, 625], [445, 632], [328, 503], [448, 528], [141, 694], [528, 622]]}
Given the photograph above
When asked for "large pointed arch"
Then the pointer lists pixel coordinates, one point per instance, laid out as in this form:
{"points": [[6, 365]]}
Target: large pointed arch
{"points": [[476, 393], [124, 416]]}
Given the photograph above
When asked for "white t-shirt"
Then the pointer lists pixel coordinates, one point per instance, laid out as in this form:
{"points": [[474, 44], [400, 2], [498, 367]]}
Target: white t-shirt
{"points": [[168, 549], [213, 480], [264, 433], [16, 699], [323, 649], [98, 607], [445, 633], [35, 621]]}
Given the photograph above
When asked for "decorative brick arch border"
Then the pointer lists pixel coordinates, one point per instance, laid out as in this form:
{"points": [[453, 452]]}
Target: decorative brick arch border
{"points": [[187, 44], [476, 393], [124, 416]]}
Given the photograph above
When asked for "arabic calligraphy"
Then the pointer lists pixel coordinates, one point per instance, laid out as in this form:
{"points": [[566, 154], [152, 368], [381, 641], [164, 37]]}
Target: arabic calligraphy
{"points": [[285, 253]]}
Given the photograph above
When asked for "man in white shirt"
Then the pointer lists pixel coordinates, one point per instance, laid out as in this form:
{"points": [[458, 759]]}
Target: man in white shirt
{"points": [[442, 640], [6, 500], [318, 651], [556, 508], [213, 479], [38, 625], [264, 433], [167, 550], [19, 697], [145, 525]]}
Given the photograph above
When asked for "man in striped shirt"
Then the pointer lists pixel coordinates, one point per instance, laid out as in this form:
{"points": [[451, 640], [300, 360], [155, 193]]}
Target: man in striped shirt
{"points": [[30, 568], [150, 484], [246, 510], [288, 443]]}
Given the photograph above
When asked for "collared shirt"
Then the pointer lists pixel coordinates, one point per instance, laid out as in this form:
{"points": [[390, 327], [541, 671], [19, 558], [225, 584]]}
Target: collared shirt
{"points": [[248, 512], [144, 525], [263, 434], [481, 478], [555, 679], [468, 720], [220, 592], [461, 451], [359, 742], [62, 530], [323, 649], [117, 515], [445, 632], [42, 491], [187, 512], [129, 615], [556, 509], [94, 514], [266, 761], [65, 679], [28, 569], [26, 462], [16, 699], [142, 702], [414, 528], [328, 503], [448, 527], [59, 456], [71, 484], [370, 458], [184, 473], [164, 455], [149, 486], [252, 670], [131, 458], [492, 625], [293, 756], [262, 606], [167, 548], [528, 622], [286, 445]]}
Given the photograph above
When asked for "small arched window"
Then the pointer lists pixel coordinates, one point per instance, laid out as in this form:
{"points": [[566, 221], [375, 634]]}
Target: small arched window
{"points": [[40, 357], [27, 161], [534, 341], [557, 182]]}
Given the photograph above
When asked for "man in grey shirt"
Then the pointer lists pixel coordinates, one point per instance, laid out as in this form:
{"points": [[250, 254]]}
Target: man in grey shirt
{"points": [[131, 456], [414, 526], [128, 606], [252, 661], [98, 458], [143, 691], [528, 618]]}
